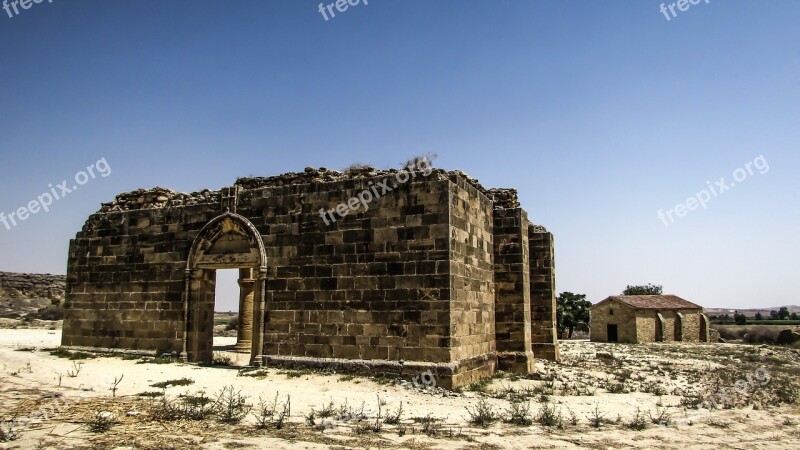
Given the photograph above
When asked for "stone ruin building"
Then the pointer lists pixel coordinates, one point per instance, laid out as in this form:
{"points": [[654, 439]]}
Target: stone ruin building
{"points": [[647, 318], [436, 273]]}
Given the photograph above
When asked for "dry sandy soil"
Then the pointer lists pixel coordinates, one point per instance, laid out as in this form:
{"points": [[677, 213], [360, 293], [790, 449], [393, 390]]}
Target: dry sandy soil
{"points": [[599, 396]]}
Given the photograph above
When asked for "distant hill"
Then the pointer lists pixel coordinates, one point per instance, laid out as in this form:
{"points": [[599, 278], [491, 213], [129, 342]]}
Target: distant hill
{"points": [[22, 293], [749, 312]]}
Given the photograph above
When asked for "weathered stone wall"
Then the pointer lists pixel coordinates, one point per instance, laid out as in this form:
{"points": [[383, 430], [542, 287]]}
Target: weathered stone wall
{"points": [[408, 276], [472, 309], [669, 325], [512, 290], [125, 278], [612, 313], [691, 325], [372, 285], [647, 322], [543, 294]]}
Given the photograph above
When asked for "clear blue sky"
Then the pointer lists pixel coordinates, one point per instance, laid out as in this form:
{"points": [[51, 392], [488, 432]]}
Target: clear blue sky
{"points": [[601, 113]]}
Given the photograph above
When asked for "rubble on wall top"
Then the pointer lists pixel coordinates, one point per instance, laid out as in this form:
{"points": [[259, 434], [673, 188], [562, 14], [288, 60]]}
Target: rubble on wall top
{"points": [[159, 197], [505, 198]]}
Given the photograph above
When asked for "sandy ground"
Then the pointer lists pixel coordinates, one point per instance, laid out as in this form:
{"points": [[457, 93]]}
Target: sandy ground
{"points": [[658, 380]]}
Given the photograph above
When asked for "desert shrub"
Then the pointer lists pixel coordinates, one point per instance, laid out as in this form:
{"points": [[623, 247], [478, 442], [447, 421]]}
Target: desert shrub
{"points": [[597, 418], [165, 410], [231, 405], [519, 413], [691, 400], [102, 422], [573, 418], [265, 412], [347, 412], [430, 425], [420, 161], [718, 423], [178, 382], [482, 415], [151, 394], [480, 385], [253, 372], [272, 413], [661, 417], [198, 406], [784, 391], [328, 410], [357, 167], [393, 418], [8, 431], [546, 388], [191, 406], [369, 426], [62, 353], [654, 387], [233, 324], [615, 388], [550, 416], [157, 360], [76, 369], [221, 359], [638, 422]]}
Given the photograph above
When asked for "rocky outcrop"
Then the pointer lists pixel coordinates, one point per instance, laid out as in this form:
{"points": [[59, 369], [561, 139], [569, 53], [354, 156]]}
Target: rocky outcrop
{"points": [[23, 293]]}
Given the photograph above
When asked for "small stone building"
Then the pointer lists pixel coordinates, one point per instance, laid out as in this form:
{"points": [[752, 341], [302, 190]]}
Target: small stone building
{"points": [[647, 318], [391, 272]]}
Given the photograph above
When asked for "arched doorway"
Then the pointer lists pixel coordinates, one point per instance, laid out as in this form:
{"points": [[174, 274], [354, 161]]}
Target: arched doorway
{"points": [[704, 333], [678, 327], [659, 327], [228, 241]]}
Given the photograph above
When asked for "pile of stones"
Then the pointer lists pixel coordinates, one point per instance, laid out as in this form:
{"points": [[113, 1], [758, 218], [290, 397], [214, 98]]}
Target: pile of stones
{"points": [[159, 197]]}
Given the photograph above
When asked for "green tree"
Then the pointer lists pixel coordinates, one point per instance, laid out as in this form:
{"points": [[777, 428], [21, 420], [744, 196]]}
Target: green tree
{"points": [[793, 316], [571, 310], [759, 316], [784, 314], [739, 319], [773, 315], [649, 289]]}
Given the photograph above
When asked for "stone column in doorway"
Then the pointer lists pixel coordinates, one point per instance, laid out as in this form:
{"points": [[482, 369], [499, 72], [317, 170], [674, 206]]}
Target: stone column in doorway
{"points": [[247, 287]]}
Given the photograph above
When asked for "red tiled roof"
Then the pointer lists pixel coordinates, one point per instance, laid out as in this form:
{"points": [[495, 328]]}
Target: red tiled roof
{"points": [[653, 302]]}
